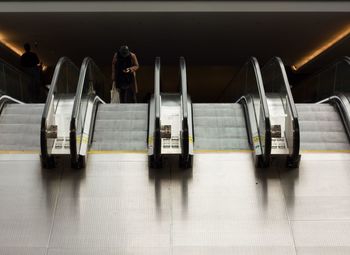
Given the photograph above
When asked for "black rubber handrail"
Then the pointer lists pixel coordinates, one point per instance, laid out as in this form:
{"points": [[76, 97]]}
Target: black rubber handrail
{"points": [[157, 135], [5, 99], [344, 59], [343, 105], [184, 96], [60, 67], [299, 89], [91, 72], [265, 137], [183, 79]]}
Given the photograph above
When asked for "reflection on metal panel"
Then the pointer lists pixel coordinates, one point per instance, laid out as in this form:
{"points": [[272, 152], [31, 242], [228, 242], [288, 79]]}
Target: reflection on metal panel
{"points": [[225, 205]]}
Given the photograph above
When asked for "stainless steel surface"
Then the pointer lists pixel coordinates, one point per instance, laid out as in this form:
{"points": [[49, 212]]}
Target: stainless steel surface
{"points": [[278, 118], [62, 116], [222, 206], [170, 116]]}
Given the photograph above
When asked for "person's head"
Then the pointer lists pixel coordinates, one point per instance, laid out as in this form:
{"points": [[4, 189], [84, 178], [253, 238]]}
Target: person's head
{"points": [[124, 51], [26, 47]]}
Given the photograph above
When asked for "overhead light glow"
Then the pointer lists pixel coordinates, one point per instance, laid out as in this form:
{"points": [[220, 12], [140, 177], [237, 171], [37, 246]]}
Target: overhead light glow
{"points": [[10, 45], [14, 48], [325, 46]]}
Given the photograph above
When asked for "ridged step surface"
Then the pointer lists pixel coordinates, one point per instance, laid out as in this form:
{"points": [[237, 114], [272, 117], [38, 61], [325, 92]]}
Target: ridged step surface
{"points": [[219, 127], [20, 127], [121, 127], [321, 128]]}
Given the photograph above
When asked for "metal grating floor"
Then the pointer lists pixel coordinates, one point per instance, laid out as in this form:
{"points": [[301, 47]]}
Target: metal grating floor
{"points": [[223, 206]]}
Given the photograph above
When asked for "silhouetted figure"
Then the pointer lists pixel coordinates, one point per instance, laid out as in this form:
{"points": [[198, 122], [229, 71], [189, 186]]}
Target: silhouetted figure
{"points": [[124, 67], [31, 64]]}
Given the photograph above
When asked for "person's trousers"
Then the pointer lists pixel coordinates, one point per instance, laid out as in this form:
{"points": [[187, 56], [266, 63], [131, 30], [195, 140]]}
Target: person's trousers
{"points": [[127, 95], [34, 86]]}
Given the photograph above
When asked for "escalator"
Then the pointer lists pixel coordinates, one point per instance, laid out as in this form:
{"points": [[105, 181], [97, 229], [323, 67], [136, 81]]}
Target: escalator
{"points": [[98, 127], [157, 128], [40, 127], [170, 130], [120, 127], [220, 127], [19, 129], [322, 128], [241, 123], [285, 132], [325, 124], [54, 125]]}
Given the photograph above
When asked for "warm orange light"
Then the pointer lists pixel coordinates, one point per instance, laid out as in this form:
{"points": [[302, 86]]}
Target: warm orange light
{"points": [[10, 45], [14, 48], [325, 46]]}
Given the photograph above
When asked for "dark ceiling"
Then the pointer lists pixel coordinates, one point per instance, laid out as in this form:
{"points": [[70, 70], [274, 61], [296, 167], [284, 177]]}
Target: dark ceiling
{"points": [[203, 38]]}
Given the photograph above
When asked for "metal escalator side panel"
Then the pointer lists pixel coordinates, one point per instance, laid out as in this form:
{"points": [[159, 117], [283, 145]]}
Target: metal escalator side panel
{"points": [[250, 77], [191, 137], [292, 115], [258, 137], [88, 126], [186, 141], [155, 137], [292, 132], [276, 82], [342, 103], [65, 75], [91, 82], [261, 114], [265, 137], [345, 107], [45, 141], [151, 126]]}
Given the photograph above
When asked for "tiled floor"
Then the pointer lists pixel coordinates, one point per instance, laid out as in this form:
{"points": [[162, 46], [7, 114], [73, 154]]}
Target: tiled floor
{"points": [[222, 206]]}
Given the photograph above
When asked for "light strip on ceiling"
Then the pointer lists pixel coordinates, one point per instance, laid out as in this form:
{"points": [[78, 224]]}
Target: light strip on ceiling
{"points": [[11, 46], [15, 49], [325, 46]]}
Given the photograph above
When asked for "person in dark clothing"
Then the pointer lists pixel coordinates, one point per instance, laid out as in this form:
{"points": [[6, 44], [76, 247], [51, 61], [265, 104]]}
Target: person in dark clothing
{"points": [[124, 67], [31, 64]]}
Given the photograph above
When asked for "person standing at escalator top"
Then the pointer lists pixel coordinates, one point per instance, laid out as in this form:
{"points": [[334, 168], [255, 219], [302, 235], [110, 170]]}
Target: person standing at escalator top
{"points": [[124, 67], [31, 64]]}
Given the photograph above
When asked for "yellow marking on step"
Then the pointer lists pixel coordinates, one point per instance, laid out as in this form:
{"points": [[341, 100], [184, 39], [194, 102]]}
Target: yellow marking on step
{"points": [[325, 151], [19, 152]]}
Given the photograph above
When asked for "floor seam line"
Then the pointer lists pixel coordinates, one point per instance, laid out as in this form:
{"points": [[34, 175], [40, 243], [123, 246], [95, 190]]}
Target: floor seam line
{"points": [[54, 212], [287, 214], [171, 212]]}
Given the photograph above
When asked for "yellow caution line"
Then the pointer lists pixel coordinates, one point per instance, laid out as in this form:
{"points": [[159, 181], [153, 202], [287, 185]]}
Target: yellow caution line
{"points": [[18, 152], [221, 151], [117, 152], [325, 151]]}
